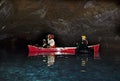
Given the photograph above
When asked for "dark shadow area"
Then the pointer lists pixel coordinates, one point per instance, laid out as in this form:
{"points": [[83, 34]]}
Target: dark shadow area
{"points": [[118, 30], [13, 48]]}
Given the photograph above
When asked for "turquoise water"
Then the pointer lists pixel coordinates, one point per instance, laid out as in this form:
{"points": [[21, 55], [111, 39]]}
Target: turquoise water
{"points": [[65, 68]]}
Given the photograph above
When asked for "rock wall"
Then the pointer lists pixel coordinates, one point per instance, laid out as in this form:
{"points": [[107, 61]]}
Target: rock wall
{"points": [[32, 20]]}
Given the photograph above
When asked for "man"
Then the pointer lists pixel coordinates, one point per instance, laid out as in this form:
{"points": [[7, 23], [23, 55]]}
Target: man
{"points": [[84, 42], [44, 46], [44, 43], [51, 44], [82, 46]]}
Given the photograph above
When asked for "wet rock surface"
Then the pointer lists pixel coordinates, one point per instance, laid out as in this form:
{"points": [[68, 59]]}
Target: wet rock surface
{"points": [[32, 20]]}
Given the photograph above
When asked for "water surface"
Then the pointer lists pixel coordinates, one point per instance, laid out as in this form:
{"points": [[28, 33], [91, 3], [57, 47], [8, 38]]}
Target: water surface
{"points": [[15, 66]]}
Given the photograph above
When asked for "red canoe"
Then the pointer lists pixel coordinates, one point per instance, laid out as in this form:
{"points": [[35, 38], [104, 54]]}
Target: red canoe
{"points": [[34, 50]]}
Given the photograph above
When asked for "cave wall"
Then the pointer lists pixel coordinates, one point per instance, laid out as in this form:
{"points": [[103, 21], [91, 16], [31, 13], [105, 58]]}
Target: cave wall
{"points": [[32, 20]]}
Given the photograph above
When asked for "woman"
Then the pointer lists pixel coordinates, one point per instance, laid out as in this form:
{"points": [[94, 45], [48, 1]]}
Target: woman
{"points": [[51, 44]]}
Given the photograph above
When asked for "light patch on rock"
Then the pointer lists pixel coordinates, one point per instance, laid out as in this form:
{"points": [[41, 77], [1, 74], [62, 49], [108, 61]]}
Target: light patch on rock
{"points": [[42, 12], [117, 37], [89, 4], [3, 28], [2, 2]]}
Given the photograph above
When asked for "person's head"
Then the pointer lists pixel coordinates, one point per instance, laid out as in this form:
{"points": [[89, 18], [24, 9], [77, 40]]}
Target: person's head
{"points": [[44, 40], [83, 37], [50, 36]]}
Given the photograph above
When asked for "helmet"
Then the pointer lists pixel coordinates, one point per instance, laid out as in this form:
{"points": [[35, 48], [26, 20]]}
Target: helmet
{"points": [[51, 36], [83, 37]]}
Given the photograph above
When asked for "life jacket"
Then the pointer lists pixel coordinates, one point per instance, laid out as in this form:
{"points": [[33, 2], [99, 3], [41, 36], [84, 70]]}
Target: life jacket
{"points": [[51, 42]]}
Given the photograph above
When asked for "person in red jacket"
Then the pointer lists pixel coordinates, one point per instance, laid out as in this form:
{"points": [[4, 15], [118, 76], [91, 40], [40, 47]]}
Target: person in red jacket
{"points": [[51, 44]]}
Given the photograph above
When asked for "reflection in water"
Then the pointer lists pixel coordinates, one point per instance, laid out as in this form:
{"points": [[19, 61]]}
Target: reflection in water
{"points": [[50, 60], [83, 64], [66, 68]]}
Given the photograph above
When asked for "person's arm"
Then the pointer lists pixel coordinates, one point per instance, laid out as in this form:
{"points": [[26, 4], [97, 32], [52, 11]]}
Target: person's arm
{"points": [[87, 42]]}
